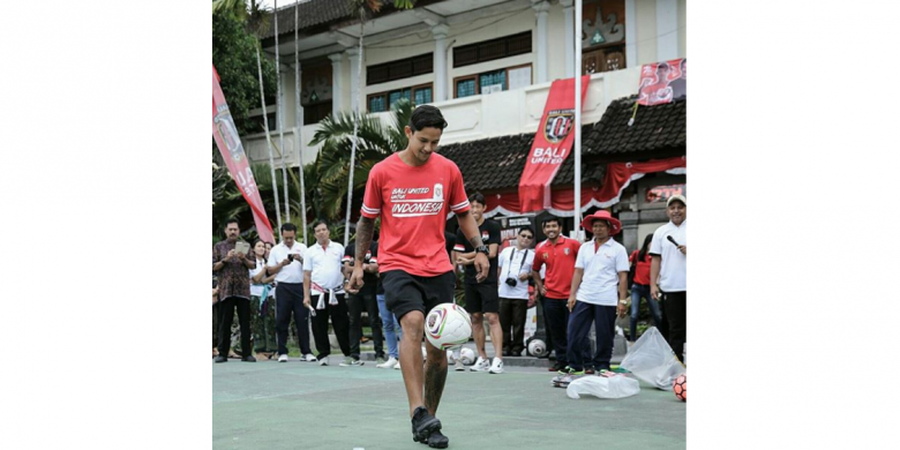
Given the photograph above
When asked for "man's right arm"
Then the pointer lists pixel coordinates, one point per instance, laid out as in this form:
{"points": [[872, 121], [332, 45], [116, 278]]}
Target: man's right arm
{"points": [[365, 228], [654, 275]]}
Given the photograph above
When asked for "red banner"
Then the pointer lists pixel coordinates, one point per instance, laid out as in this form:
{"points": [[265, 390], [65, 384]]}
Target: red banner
{"points": [[232, 151], [663, 82], [552, 144]]}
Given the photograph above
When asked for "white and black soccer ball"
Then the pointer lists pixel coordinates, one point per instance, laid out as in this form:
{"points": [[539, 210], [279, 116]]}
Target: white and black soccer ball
{"points": [[537, 348], [447, 326], [467, 356]]}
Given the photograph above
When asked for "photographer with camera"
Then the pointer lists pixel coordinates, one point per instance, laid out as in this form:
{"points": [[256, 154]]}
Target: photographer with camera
{"points": [[515, 271], [286, 263]]}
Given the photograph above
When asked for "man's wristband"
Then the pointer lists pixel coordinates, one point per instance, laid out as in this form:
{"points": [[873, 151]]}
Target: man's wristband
{"points": [[483, 249]]}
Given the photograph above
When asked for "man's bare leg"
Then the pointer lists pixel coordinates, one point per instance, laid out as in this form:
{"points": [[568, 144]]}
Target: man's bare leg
{"points": [[478, 333], [435, 377], [411, 357], [496, 334]]}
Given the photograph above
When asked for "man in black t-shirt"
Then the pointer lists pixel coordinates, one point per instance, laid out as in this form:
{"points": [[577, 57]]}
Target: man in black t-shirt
{"points": [[481, 298], [364, 298]]}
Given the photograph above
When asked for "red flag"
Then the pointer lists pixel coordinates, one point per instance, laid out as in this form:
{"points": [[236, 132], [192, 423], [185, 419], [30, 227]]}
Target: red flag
{"points": [[663, 82], [232, 150], [552, 144]]}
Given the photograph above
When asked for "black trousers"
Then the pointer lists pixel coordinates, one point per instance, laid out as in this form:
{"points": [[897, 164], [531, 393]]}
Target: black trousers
{"points": [[676, 311], [226, 309], [603, 318], [512, 322], [556, 319], [339, 320], [288, 300], [355, 305]]}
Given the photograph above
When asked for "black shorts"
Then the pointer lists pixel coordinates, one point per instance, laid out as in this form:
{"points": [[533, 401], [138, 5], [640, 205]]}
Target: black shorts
{"points": [[482, 297], [404, 292]]}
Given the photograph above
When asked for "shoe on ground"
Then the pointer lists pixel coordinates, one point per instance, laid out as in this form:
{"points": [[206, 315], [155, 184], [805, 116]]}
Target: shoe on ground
{"points": [[481, 365], [497, 366], [323, 360], [248, 358], [389, 364], [557, 367], [570, 371], [379, 360], [424, 425], [221, 359], [589, 371], [351, 362], [308, 358], [397, 367], [459, 366], [437, 440], [282, 357]]}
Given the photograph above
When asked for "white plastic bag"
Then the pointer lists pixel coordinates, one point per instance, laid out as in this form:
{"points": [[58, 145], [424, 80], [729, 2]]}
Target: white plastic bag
{"points": [[613, 386], [652, 360]]}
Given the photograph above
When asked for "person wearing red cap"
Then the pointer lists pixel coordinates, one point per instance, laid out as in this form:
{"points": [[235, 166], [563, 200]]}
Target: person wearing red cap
{"points": [[599, 291]]}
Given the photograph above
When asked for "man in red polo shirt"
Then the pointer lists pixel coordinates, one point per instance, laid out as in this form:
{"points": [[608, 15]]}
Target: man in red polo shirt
{"points": [[413, 191], [558, 253]]}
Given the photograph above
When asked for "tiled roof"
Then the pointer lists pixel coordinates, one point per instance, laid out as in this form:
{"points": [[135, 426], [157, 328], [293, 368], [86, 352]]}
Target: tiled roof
{"points": [[310, 13], [656, 128]]}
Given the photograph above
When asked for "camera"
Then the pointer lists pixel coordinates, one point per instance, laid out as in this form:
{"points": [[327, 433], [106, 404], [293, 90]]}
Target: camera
{"points": [[512, 281]]}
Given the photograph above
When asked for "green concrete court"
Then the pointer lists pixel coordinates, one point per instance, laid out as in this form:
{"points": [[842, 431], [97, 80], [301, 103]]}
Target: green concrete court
{"points": [[298, 405]]}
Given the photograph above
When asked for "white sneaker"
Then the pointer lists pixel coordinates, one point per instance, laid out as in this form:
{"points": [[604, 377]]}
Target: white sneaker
{"points": [[282, 358], [308, 358], [323, 361], [397, 367], [389, 364], [481, 365], [459, 366], [497, 366]]}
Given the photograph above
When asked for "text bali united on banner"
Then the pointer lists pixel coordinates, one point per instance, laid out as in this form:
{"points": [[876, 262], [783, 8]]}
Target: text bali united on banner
{"points": [[552, 144], [229, 143], [663, 82]]}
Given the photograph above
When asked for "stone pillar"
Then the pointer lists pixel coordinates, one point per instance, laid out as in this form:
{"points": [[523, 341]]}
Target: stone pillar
{"points": [[353, 55], [569, 12], [541, 9], [337, 90], [629, 221], [440, 61], [631, 57]]}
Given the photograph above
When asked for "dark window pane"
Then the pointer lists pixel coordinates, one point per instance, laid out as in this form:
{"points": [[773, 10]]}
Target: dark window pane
{"points": [[465, 88]]}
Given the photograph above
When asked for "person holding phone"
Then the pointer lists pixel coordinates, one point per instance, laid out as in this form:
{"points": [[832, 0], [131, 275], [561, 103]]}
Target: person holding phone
{"points": [[286, 263], [232, 266], [668, 272]]}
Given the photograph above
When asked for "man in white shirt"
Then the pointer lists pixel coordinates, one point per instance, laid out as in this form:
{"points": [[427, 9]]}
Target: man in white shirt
{"points": [[668, 272], [323, 289], [285, 262], [515, 270], [599, 284]]}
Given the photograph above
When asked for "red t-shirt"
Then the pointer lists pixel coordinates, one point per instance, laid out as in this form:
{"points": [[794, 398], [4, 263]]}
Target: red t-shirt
{"points": [[560, 261], [413, 203], [642, 271]]}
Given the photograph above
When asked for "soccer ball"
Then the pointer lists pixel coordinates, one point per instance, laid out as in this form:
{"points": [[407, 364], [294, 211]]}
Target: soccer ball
{"points": [[537, 348], [680, 387], [447, 326], [467, 356]]}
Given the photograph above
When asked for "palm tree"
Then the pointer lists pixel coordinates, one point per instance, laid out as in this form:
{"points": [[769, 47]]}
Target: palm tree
{"points": [[375, 142]]}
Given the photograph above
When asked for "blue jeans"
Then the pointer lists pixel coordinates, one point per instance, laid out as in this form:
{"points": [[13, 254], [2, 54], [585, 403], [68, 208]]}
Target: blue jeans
{"points": [[638, 291], [392, 331]]}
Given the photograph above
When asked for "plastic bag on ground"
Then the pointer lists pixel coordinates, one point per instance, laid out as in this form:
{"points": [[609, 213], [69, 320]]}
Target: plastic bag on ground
{"points": [[653, 361], [609, 385]]}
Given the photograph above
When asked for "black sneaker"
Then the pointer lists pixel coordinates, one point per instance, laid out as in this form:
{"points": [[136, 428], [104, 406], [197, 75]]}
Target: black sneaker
{"points": [[589, 371], [557, 367], [424, 424], [221, 359], [248, 358], [437, 440]]}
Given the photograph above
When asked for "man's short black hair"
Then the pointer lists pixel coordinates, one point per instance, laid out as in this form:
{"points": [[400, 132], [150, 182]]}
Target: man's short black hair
{"points": [[477, 197], [288, 227], [232, 220], [427, 116], [528, 229], [550, 219], [319, 222]]}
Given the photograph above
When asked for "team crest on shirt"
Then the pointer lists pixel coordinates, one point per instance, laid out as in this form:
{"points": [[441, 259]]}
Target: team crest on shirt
{"points": [[546, 256], [439, 191], [566, 251]]}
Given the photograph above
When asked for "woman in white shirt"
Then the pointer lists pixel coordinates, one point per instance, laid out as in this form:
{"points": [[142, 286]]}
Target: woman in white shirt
{"points": [[262, 306]]}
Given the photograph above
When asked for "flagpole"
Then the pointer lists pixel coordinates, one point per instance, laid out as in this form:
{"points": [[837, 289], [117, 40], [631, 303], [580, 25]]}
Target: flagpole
{"points": [[279, 106], [298, 114], [578, 28], [262, 98]]}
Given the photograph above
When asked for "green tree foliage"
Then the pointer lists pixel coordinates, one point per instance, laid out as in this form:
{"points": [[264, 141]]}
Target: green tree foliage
{"points": [[234, 55]]}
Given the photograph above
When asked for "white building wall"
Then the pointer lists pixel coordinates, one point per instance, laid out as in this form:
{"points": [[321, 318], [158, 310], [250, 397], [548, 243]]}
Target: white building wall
{"points": [[682, 28], [646, 31], [556, 43]]}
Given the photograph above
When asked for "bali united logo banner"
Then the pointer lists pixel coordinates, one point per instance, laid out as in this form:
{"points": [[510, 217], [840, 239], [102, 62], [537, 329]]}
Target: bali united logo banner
{"points": [[663, 82], [229, 143], [552, 144]]}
